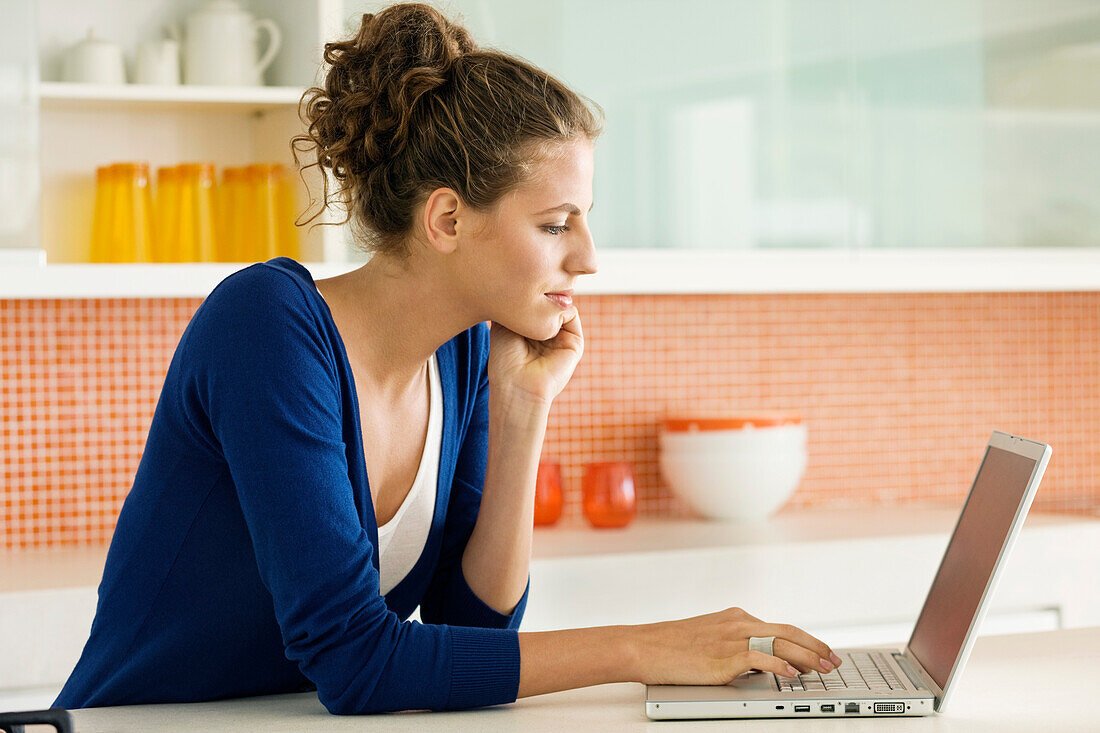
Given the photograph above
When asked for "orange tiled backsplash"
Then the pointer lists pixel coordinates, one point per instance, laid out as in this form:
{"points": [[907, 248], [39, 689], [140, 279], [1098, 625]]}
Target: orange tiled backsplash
{"points": [[900, 393]]}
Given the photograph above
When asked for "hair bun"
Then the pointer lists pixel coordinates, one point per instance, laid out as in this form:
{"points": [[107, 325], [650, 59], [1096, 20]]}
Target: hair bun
{"points": [[410, 103], [376, 78]]}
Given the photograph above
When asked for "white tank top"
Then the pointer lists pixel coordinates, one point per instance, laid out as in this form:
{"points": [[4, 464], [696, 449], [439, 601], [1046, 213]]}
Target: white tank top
{"points": [[401, 540]]}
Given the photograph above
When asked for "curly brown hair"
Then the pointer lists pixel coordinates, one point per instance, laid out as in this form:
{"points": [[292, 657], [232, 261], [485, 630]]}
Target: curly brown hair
{"points": [[412, 104]]}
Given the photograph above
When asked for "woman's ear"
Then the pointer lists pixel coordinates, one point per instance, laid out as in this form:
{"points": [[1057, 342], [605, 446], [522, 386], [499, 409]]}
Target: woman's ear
{"points": [[441, 224]]}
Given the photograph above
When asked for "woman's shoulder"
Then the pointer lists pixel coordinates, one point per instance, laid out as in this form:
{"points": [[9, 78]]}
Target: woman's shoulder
{"points": [[257, 310], [257, 329], [281, 279], [278, 289]]}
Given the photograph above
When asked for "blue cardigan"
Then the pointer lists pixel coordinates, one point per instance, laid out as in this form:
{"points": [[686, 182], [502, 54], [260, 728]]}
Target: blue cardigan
{"points": [[244, 560]]}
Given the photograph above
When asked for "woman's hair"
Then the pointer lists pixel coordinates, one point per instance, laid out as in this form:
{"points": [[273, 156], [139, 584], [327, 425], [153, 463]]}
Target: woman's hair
{"points": [[412, 104]]}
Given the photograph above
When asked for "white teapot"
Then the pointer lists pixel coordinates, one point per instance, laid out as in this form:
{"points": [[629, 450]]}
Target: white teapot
{"points": [[219, 45]]}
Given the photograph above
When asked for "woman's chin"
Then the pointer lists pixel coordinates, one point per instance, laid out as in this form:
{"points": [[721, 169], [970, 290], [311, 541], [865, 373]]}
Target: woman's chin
{"points": [[545, 332], [542, 329]]}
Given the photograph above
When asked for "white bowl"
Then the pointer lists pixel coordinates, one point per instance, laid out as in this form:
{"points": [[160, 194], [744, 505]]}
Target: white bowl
{"points": [[783, 437], [744, 477]]}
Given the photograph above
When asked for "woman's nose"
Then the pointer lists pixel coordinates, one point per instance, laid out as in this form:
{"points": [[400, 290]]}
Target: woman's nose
{"points": [[585, 258]]}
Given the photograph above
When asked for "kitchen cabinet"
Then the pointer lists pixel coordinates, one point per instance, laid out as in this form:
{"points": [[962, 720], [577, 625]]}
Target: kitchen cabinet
{"points": [[850, 576], [852, 124], [805, 146], [83, 126]]}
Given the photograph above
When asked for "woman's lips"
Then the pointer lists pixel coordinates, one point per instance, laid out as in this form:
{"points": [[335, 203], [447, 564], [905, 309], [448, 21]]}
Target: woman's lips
{"points": [[563, 300]]}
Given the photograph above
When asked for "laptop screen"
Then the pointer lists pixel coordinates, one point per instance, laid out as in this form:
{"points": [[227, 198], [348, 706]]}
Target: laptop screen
{"points": [[969, 560]]}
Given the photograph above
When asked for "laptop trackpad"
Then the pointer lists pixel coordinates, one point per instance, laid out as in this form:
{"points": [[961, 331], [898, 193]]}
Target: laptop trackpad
{"points": [[754, 680], [749, 685]]}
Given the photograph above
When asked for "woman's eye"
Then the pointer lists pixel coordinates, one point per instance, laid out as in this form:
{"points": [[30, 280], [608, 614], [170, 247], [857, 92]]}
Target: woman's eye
{"points": [[557, 230]]}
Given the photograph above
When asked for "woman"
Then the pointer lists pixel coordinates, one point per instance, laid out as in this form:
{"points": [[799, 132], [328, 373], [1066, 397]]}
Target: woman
{"points": [[325, 457]]}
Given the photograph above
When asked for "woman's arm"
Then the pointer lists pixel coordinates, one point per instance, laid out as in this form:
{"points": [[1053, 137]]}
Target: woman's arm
{"points": [[551, 661], [703, 650], [497, 559], [523, 379]]}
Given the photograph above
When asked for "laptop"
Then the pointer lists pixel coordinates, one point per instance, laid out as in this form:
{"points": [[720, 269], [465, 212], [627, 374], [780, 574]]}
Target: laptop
{"points": [[919, 678]]}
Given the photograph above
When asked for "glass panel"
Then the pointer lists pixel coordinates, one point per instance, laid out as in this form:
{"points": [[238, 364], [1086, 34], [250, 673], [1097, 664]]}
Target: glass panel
{"points": [[918, 156], [19, 176], [728, 122], [978, 122], [1043, 124], [827, 123]]}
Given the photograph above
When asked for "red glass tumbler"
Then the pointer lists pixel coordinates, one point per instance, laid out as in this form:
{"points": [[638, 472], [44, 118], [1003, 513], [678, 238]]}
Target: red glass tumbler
{"points": [[608, 494]]}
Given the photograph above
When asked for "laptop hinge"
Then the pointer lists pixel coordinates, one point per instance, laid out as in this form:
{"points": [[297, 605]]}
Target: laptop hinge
{"points": [[910, 672]]}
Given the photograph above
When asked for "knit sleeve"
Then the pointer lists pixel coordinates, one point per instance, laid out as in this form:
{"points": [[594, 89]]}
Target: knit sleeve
{"points": [[269, 386], [449, 598]]}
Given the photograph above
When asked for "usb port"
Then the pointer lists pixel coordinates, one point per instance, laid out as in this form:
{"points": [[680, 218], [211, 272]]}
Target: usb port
{"points": [[828, 708], [802, 708], [851, 707]]}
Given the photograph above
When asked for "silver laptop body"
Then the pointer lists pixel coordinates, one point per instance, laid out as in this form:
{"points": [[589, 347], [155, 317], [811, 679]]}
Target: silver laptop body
{"points": [[919, 678]]}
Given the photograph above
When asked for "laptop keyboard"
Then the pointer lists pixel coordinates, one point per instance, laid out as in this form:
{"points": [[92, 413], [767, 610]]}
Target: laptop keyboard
{"points": [[859, 671]]}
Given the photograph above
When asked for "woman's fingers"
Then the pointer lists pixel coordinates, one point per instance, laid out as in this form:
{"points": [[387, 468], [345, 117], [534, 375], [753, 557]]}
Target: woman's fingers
{"points": [[713, 649], [764, 662], [573, 325], [797, 636], [802, 658]]}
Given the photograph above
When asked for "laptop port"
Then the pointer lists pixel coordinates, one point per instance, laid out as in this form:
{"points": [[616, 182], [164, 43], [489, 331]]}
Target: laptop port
{"points": [[889, 708], [851, 707], [828, 708], [802, 708]]}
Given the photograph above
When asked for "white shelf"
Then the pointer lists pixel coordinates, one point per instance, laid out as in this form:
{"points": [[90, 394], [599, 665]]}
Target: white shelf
{"points": [[62, 95], [646, 271], [794, 270], [181, 280]]}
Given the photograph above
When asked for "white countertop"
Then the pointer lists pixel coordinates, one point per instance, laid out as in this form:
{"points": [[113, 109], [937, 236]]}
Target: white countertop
{"points": [[658, 570], [82, 566], [1019, 682]]}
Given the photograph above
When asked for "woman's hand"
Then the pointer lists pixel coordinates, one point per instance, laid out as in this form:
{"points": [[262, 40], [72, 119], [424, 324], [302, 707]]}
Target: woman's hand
{"points": [[714, 649], [534, 370]]}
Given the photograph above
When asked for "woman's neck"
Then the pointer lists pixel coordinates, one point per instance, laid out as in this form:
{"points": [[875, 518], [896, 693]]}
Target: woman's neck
{"points": [[392, 318]]}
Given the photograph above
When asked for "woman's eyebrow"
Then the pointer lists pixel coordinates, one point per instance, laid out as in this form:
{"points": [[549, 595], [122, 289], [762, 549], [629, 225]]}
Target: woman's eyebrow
{"points": [[571, 208]]}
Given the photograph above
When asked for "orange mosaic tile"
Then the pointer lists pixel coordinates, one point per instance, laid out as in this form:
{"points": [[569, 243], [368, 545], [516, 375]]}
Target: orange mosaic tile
{"points": [[899, 393]]}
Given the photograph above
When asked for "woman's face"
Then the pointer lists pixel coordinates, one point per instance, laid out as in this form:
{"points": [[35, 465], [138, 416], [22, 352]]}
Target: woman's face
{"points": [[527, 247]]}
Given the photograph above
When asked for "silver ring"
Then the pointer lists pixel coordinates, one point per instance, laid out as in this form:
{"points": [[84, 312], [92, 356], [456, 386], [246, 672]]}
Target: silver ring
{"points": [[762, 644]]}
